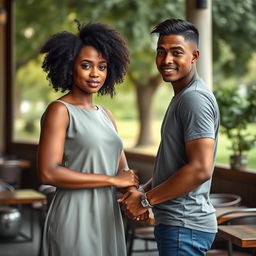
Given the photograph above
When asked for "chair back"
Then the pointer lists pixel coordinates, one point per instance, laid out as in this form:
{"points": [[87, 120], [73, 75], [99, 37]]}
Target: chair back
{"points": [[242, 220], [224, 200], [10, 173], [247, 216], [49, 191]]}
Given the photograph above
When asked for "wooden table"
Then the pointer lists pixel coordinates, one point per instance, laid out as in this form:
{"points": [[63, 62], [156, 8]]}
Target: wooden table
{"points": [[23, 197], [21, 163], [241, 235]]}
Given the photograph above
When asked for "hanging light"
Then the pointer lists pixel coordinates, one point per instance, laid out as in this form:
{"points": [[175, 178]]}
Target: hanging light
{"points": [[3, 16], [201, 4]]}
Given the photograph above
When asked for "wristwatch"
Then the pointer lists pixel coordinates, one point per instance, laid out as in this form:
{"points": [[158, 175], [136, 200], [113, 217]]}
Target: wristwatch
{"points": [[144, 201]]}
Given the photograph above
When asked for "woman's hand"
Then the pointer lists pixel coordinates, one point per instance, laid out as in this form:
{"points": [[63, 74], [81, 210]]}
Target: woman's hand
{"points": [[125, 178]]}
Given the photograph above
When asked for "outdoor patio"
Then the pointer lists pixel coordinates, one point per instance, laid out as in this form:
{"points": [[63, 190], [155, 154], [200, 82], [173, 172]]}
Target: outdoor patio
{"points": [[32, 248], [22, 99]]}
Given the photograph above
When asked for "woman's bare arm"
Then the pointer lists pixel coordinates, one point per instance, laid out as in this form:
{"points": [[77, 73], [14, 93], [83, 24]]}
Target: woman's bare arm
{"points": [[123, 165], [51, 148]]}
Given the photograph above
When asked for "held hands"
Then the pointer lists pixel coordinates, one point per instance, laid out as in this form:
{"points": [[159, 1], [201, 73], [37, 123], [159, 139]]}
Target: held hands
{"points": [[126, 178], [131, 199], [132, 205]]}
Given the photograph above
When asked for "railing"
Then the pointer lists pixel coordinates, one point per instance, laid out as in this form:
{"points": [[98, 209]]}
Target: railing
{"points": [[225, 180]]}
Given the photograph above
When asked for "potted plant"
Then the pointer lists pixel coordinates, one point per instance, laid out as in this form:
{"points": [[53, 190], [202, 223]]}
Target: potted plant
{"points": [[237, 111]]}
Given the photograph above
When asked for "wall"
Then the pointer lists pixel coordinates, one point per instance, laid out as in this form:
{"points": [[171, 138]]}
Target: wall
{"points": [[242, 183], [224, 179], [2, 81]]}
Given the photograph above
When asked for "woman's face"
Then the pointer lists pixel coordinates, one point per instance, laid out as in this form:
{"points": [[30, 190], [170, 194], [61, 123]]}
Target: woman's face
{"points": [[90, 70]]}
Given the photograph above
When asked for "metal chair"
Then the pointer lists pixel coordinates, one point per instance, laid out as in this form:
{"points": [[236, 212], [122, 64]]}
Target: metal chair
{"points": [[220, 200], [10, 217], [224, 200], [239, 220], [139, 231]]}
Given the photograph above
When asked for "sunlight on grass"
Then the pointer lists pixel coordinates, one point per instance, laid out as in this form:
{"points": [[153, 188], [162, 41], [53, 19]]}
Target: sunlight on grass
{"points": [[128, 130]]}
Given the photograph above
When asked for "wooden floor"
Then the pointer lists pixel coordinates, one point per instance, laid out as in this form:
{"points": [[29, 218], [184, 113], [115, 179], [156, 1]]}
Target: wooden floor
{"points": [[32, 248]]}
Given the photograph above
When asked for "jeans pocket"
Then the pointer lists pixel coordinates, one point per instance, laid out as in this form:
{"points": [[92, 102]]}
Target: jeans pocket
{"points": [[202, 240]]}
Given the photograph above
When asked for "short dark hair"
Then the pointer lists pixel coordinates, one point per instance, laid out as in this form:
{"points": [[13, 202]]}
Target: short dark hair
{"points": [[178, 27], [63, 48]]}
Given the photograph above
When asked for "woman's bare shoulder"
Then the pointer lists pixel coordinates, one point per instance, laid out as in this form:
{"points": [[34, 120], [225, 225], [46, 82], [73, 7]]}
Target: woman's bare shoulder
{"points": [[56, 111]]}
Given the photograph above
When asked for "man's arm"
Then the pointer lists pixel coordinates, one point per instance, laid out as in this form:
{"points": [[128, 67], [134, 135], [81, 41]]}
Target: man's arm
{"points": [[200, 155], [146, 187]]}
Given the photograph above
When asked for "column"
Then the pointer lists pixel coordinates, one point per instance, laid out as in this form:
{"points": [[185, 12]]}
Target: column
{"points": [[2, 76], [199, 12]]}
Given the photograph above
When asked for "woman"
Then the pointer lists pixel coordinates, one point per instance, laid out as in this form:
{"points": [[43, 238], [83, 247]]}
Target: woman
{"points": [[79, 151]]}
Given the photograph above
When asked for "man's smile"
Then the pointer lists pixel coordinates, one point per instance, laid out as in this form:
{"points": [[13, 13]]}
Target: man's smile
{"points": [[169, 68]]}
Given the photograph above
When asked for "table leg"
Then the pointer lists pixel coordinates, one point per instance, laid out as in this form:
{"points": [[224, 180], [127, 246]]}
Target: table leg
{"points": [[230, 248], [43, 217]]}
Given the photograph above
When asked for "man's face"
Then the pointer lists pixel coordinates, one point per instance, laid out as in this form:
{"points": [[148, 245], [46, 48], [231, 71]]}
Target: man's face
{"points": [[175, 57]]}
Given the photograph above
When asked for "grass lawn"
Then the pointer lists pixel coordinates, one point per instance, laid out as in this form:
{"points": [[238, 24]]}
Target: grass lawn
{"points": [[128, 130]]}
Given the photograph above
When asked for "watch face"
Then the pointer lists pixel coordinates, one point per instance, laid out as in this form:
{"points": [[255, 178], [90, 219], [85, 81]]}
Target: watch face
{"points": [[144, 203]]}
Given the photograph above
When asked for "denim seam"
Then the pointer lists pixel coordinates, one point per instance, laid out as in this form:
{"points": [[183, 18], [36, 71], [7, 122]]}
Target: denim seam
{"points": [[180, 240]]}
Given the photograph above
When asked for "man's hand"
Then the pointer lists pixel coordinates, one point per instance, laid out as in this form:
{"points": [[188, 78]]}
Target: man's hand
{"points": [[142, 217], [132, 206]]}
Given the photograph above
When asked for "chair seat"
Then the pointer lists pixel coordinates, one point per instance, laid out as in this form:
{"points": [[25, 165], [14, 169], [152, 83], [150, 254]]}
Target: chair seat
{"points": [[142, 231], [145, 233]]}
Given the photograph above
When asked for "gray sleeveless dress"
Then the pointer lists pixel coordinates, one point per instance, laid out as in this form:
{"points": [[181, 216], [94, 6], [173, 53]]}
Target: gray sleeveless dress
{"points": [[87, 222]]}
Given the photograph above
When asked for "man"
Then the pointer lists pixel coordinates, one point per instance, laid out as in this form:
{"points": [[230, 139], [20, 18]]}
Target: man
{"points": [[179, 190]]}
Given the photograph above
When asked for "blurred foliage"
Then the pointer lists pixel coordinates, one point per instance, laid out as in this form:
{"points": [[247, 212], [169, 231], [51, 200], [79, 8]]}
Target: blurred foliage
{"points": [[237, 112], [234, 57], [234, 29], [134, 19], [234, 34]]}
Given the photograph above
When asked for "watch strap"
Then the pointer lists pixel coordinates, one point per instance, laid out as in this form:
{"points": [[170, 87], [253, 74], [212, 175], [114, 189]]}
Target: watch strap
{"points": [[144, 201]]}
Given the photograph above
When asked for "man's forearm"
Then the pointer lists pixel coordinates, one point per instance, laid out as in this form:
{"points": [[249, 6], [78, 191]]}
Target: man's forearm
{"points": [[181, 183]]}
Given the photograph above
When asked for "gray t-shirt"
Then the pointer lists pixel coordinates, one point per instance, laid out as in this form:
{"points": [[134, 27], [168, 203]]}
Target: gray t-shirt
{"points": [[192, 114]]}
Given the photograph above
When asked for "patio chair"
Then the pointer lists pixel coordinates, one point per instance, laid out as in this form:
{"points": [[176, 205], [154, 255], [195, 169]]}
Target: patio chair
{"points": [[142, 230], [224, 200], [10, 173]]}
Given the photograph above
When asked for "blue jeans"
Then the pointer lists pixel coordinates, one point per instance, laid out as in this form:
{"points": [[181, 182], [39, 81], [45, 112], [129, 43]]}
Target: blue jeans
{"points": [[180, 241]]}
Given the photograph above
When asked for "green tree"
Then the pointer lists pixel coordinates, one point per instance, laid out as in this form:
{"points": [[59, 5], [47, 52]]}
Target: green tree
{"points": [[234, 33], [134, 19]]}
